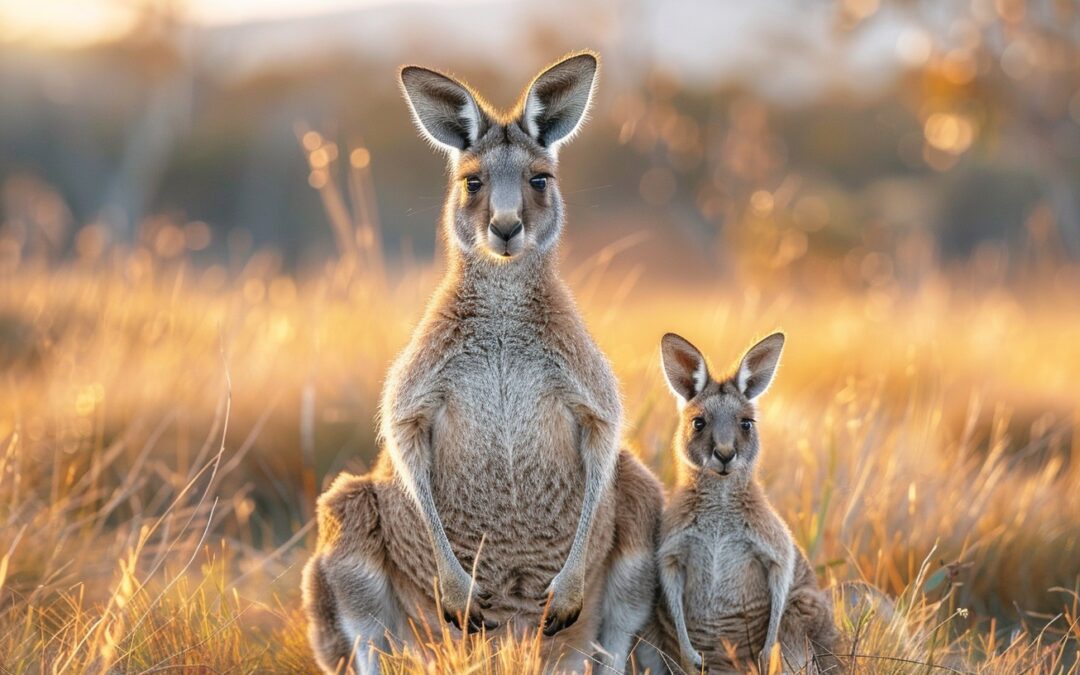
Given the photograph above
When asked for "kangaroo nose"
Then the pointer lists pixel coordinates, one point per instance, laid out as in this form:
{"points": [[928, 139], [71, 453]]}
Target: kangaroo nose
{"points": [[506, 231], [725, 455]]}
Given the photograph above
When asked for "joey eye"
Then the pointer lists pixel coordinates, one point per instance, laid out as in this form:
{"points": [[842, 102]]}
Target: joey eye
{"points": [[747, 425], [472, 184], [539, 182], [698, 423]]}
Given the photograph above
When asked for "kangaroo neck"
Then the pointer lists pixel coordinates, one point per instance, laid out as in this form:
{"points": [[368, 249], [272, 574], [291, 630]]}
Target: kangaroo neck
{"points": [[505, 287], [726, 492]]}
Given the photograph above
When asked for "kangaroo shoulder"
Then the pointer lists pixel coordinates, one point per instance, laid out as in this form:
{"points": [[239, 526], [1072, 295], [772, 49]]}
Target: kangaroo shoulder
{"points": [[769, 529], [414, 379], [437, 335], [565, 330], [679, 514], [582, 367]]}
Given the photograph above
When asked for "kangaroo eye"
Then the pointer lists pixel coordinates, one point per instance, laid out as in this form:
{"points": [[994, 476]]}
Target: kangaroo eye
{"points": [[747, 425], [698, 423], [539, 182], [473, 184]]}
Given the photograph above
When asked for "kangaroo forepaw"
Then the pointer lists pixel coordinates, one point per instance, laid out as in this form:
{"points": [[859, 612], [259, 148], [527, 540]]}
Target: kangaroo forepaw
{"points": [[473, 625], [482, 599], [555, 623], [455, 598], [563, 605]]}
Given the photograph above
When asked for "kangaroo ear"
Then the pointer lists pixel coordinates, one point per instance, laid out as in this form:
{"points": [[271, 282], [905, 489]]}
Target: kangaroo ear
{"points": [[444, 110], [759, 365], [684, 367], [558, 100]]}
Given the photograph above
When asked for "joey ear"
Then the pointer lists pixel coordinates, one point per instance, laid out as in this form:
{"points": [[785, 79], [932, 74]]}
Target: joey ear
{"points": [[444, 110], [558, 99], [759, 365], [684, 367]]}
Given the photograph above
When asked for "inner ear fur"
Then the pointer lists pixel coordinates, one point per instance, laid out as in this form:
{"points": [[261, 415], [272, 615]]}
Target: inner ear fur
{"points": [[445, 111], [758, 366], [557, 101], [684, 366]]}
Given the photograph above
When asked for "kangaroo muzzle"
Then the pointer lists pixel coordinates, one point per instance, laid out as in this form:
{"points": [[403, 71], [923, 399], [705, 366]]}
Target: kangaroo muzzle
{"points": [[505, 237]]}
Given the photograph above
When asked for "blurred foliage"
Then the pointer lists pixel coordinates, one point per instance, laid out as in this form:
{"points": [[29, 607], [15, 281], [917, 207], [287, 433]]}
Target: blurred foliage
{"points": [[975, 133]]}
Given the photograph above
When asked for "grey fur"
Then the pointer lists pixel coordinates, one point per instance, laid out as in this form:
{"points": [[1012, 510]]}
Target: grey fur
{"points": [[501, 418], [730, 571]]}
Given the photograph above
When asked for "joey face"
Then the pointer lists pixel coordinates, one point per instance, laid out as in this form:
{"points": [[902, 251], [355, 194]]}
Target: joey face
{"points": [[504, 199], [718, 431], [718, 418]]}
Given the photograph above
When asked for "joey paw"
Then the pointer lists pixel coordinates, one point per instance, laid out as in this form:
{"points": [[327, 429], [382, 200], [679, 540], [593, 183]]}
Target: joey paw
{"points": [[767, 655], [696, 662]]}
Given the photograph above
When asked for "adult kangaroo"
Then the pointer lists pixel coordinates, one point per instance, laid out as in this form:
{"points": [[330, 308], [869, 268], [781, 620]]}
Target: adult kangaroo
{"points": [[500, 420]]}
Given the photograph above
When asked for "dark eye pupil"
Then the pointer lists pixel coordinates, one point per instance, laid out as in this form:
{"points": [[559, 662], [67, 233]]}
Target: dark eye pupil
{"points": [[699, 423], [472, 184], [746, 425], [538, 182]]}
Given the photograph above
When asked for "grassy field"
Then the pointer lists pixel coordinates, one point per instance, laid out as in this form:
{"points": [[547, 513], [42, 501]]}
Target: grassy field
{"points": [[165, 429]]}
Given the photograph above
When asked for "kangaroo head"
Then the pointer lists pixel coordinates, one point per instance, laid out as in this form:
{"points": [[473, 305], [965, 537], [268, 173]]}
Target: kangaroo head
{"points": [[503, 199], [718, 429]]}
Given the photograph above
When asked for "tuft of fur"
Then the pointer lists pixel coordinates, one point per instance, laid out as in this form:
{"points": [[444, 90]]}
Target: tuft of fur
{"points": [[734, 583]]}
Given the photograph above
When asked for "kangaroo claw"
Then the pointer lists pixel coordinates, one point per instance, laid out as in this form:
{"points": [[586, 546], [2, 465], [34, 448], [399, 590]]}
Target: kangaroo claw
{"points": [[554, 624], [475, 622]]}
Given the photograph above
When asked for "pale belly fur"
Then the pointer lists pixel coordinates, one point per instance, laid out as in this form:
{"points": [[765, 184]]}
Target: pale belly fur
{"points": [[510, 483], [732, 598]]}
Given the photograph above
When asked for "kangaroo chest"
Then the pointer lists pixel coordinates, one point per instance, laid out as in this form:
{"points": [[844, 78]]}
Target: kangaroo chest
{"points": [[727, 592], [506, 468], [503, 412]]}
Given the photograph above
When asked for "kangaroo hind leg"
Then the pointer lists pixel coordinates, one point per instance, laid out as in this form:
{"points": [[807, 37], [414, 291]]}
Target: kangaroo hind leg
{"points": [[811, 636], [349, 599], [631, 581]]}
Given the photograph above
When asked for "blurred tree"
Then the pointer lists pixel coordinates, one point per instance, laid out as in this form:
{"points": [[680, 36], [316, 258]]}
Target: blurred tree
{"points": [[1001, 76], [160, 37]]}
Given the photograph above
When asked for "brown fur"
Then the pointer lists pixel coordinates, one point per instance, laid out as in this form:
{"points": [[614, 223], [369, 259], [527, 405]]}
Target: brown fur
{"points": [[500, 419], [354, 515]]}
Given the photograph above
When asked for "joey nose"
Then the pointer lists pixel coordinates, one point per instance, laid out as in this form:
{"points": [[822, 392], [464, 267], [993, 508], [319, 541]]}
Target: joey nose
{"points": [[506, 230], [724, 455]]}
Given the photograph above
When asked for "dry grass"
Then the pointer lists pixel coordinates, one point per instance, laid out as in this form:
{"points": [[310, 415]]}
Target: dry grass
{"points": [[162, 427]]}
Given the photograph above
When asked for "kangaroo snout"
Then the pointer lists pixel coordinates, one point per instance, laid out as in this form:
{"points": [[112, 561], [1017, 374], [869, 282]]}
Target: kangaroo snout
{"points": [[506, 236], [724, 455], [506, 230]]}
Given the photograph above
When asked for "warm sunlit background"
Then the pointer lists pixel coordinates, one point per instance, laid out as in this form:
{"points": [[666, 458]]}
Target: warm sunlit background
{"points": [[217, 227]]}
